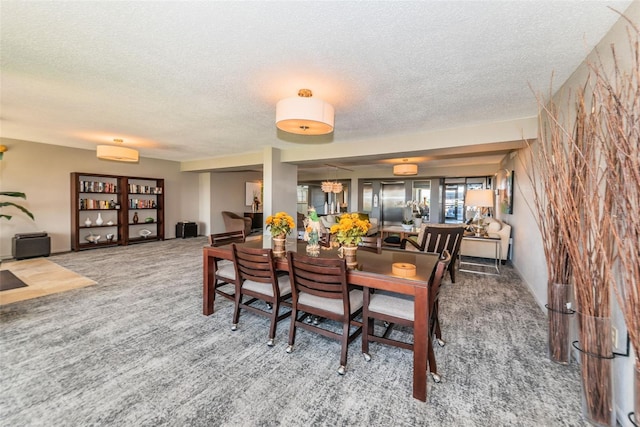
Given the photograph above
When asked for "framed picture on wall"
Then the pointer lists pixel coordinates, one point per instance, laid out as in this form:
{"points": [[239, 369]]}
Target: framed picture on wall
{"points": [[504, 185], [253, 193]]}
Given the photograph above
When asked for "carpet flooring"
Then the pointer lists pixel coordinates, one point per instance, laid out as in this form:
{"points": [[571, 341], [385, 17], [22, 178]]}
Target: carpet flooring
{"points": [[43, 277], [135, 350]]}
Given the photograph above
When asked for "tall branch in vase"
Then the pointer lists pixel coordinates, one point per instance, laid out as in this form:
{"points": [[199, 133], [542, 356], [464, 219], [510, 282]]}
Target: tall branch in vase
{"points": [[619, 103], [550, 177], [581, 199]]}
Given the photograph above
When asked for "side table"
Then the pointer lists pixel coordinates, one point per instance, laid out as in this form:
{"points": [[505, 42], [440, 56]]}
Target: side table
{"points": [[498, 255]]}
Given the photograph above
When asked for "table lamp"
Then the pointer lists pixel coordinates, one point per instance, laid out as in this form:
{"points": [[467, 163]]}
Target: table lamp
{"points": [[480, 199]]}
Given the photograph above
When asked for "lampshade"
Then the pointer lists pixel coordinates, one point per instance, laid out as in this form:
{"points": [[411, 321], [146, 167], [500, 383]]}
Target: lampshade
{"points": [[405, 169], [304, 115], [479, 198], [116, 152]]}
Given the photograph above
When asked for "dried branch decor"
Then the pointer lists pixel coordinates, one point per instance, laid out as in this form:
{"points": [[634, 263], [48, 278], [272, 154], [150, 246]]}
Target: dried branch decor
{"points": [[619, 101], [549, 175], [589, 211]]}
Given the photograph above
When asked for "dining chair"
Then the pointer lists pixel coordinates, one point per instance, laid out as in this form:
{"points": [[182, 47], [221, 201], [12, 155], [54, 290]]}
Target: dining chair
{"points": [[259, 281], [320, 288], [436, 239], [396, 309], [225, 273], [371, 244]]}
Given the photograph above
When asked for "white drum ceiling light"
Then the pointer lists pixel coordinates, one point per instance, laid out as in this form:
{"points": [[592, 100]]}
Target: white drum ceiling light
{"points": [[405, 169], [117, 152], [304, 115]]}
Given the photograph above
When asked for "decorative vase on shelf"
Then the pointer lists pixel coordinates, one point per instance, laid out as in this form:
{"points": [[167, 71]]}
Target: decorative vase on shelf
{"points": [[349, 253], [99, 219], [87, 223], [135, 217], [279, 245]]}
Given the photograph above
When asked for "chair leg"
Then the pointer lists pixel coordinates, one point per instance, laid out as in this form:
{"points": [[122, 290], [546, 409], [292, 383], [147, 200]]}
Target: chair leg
{"points": [[274, 323], [452, 272], [292, 328], [367, 329], [345, 347], [236, 311], [433, 367]]}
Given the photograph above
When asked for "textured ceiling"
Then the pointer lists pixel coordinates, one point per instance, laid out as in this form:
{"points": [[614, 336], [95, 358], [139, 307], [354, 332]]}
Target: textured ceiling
{"points": [[193, 80]]}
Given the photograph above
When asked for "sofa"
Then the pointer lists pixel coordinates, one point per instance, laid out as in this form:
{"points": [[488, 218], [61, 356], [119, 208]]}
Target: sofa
{"points": [[329, 220], [494, 228]]}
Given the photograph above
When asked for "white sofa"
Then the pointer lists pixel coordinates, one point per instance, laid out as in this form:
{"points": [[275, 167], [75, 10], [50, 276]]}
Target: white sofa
{"points": [[329, 220], [494, 228]]}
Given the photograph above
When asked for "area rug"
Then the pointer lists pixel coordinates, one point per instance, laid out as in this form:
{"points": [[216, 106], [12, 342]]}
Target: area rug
{"points": [[9, 281], [43, 277]]}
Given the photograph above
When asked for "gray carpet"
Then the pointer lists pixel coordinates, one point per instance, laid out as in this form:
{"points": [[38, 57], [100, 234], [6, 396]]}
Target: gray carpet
{"points": [[135, 350]]}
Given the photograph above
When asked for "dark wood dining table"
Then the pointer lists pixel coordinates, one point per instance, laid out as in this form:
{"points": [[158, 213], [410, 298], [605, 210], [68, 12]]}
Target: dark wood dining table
{"points": [[374, 271]]}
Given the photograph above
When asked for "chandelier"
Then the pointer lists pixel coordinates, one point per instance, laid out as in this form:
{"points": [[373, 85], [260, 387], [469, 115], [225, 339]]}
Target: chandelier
{"points": [[331, 187]]}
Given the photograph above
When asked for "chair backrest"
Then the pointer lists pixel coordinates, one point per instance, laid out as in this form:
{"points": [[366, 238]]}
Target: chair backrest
{"points": [[220, 239], [437, 274], [255, 264], [233, 221], [371, 244], [322, 277], [439, 239]]}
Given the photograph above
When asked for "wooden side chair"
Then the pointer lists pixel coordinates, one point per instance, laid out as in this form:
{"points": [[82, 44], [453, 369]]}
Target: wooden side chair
{"points": [[320, 288], [259, 281], [225, 273], [371, 244], [437, 239], [395, 309]]}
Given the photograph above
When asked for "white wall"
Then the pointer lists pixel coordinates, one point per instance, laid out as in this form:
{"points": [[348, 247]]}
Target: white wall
{"points": [[227, 193], [42, 171]]}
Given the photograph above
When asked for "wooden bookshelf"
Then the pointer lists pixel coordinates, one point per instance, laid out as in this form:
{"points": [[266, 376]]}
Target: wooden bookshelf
{"points": [[103, 208]]}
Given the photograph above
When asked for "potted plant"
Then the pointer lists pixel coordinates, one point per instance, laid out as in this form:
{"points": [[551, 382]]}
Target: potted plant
{"points": [[14, 194]]}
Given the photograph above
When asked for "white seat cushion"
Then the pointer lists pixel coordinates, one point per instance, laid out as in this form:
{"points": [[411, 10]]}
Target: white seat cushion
{"points": [[226, 270], [395, 305], [332, 305], [266, 289]]}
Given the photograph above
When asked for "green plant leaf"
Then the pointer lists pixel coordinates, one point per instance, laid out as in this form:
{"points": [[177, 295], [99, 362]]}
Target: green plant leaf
{"points": [[3, 204]]}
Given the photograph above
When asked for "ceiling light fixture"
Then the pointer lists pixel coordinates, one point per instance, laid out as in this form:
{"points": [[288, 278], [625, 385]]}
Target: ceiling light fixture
{"points": [[332, 186], [117, 152], [405, 169], [304, 115]]}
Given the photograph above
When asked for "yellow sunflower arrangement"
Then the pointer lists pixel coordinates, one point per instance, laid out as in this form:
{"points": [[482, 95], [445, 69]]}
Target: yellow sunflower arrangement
{"points": [[280, 224], [350, 230]]}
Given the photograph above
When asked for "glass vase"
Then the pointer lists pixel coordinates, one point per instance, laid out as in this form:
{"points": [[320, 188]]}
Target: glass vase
{"points": [[349, 253], [558, 322], [279, 246], [636, 392], [596, 361]]}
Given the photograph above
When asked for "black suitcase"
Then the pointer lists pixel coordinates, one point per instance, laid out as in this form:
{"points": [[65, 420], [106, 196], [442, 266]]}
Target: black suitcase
{"points": [[186, 229]]}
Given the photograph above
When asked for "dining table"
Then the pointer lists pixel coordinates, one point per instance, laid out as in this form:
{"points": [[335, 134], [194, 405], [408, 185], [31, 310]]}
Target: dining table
{"points": [[385, 271]]}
